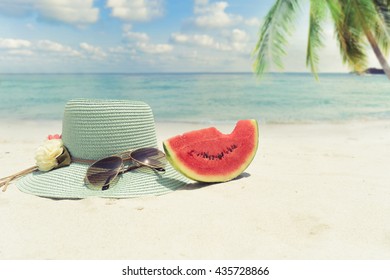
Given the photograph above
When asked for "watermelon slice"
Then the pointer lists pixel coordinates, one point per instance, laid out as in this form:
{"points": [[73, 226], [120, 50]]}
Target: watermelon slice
{"points": [[207, 155]]}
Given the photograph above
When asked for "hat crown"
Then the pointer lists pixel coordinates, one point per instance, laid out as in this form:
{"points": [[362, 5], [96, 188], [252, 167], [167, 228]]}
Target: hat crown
{"points": [[93, 129]]}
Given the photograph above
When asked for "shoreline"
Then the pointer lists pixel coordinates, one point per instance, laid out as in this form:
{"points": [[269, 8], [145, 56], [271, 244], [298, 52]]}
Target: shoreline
{"points": [[313, 191]]}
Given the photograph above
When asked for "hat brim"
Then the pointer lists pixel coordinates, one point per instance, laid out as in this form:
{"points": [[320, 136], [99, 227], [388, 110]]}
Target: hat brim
{"points": [[68, 182]]}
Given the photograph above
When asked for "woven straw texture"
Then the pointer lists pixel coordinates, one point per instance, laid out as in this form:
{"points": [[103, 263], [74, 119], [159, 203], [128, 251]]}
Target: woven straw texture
{"points": [[93, 129]]}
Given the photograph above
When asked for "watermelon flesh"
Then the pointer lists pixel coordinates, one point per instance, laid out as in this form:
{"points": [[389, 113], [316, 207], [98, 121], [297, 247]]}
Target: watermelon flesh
{"points": [[207, 155]]}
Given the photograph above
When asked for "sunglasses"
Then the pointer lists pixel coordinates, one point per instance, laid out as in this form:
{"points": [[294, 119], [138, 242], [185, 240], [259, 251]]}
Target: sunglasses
{"points": [[104, 171]]}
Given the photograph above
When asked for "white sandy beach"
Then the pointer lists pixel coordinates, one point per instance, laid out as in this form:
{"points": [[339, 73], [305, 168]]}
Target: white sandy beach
{"points": [[313, 191]]}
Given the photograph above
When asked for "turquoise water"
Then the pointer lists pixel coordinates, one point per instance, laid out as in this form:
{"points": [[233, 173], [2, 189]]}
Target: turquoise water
{"points": [[279, 98]]}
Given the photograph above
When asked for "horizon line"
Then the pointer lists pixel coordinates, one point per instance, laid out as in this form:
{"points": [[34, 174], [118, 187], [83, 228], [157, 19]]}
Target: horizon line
{"points": [[154, 73]]}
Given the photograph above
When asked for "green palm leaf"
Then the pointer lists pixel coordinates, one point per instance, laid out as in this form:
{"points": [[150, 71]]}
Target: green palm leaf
{"points": [[383, 9], [356, 22], [318, 12], [382, 25], [349, 36], [272, 42]]}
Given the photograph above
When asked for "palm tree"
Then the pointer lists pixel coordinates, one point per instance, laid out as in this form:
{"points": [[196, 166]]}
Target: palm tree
{"points": [[355, 22]]}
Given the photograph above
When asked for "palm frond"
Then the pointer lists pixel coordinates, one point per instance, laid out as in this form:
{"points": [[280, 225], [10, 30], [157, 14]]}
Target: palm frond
{"points": [[277, 26], [381, 30], [382, 36], [350, 36], [318, 14], [383, 9]]}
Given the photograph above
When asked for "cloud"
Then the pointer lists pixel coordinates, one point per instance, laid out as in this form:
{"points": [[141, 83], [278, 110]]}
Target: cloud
{"points": [[95, 52], [20, 47], [239, 39], [141, 41], [213, 15], [25, 47], [154, 48], [20, 52], [180, 38], [136, 10], [203, 40], [122, 50], [76, 12], [54, 47], [252, 22], [8, 43], [134, 36], [214, 36], [72, 12], [236, 40]]}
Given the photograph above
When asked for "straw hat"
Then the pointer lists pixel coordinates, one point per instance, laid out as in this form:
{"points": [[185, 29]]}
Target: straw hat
{"points": [[94, 129]]}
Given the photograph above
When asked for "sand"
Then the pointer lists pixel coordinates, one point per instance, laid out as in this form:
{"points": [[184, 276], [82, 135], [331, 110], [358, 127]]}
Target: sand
{"points": [[313, 191]]}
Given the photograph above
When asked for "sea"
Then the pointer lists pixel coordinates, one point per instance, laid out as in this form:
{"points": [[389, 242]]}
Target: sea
{"points": [[205, 97]]}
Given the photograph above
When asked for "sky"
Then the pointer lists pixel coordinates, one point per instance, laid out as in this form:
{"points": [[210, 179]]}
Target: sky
{"points": [[137, 36]]}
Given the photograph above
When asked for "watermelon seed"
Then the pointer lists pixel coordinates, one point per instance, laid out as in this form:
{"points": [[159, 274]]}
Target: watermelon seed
{"points": [[213, 157]]}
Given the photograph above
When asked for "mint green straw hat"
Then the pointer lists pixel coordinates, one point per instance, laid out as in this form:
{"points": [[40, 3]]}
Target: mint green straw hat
{"points": [[94, 129]]}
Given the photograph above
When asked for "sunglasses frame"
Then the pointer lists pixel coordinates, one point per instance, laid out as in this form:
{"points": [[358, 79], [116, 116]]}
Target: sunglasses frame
{"points": [[125, 157]]}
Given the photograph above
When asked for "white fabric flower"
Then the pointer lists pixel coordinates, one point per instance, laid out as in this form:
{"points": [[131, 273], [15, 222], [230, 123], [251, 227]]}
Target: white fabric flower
{"points": [[46, 155]]}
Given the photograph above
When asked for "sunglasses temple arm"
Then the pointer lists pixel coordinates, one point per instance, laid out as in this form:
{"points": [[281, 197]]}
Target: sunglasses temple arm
{"points": [[131, 168], [4, 182], [160, 169]]}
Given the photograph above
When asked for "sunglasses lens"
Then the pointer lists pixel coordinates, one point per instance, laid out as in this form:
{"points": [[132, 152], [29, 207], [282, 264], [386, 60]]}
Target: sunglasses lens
{"points": [[149, 157], [103, 172]]}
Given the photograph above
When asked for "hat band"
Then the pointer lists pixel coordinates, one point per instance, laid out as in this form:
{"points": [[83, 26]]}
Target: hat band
{"points": [[82, 160]]}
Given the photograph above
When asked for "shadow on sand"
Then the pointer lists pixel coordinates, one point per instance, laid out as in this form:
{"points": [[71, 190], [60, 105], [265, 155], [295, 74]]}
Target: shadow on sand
{"points": [[199, 185]]}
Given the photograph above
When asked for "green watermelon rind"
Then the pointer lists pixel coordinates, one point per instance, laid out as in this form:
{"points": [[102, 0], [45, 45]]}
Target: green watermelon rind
{"points": [[191, 174]]}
